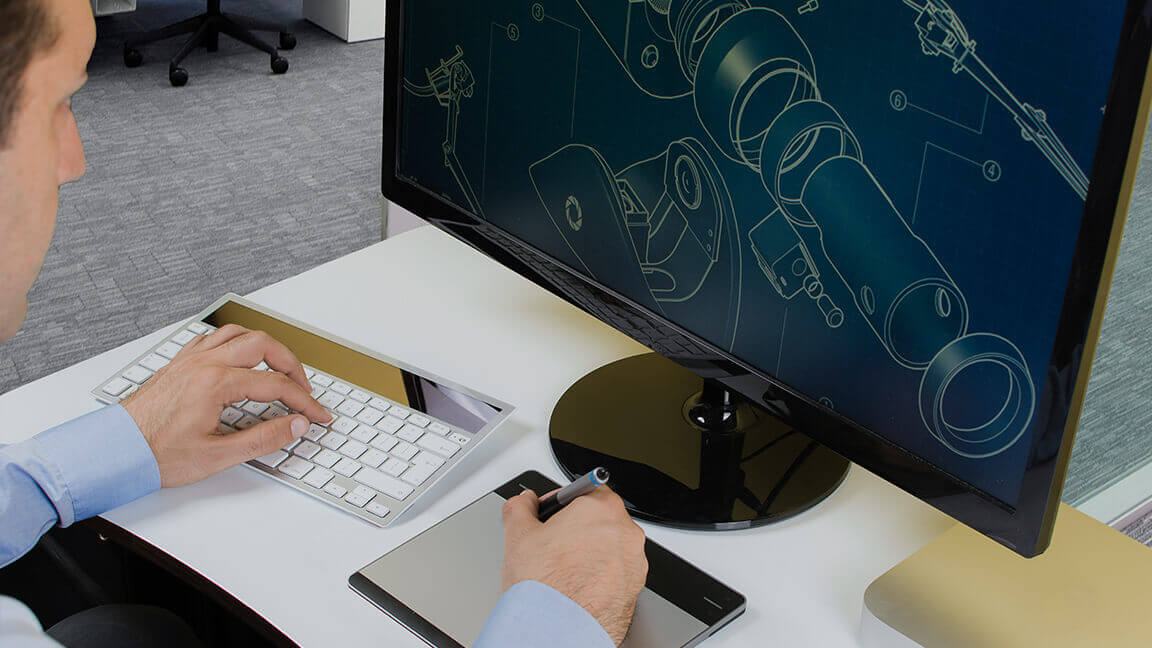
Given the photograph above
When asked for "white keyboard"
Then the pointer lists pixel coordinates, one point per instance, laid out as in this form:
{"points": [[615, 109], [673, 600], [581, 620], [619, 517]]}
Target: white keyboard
{"points": [[373, 459]]}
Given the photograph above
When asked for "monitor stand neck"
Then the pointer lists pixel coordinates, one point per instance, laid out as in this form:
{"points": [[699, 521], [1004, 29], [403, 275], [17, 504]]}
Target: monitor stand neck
{"points": [[688, 452], [715, 411]]}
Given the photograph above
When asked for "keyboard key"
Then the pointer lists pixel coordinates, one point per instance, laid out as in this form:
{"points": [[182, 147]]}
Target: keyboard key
{"points": [[295, 467], [390, 424], [390, 486], [275, 410], [330, 400], [246, 422], [225, 429], [291, 444], [168, 350], [419, 420], [380, 404], [404, 450], [138, 374], [255, 408], [370, 416], [394, 466], [341, 388], [116, 386], [326, 458], [263, 366], [199, 328], [353, 449], [272, 459], [384, 442], [321, 379], [417, 475], [364, 433], [183, 337], [399, 412], [427, 459], [335, 490], [442, 447], [315, 432], [231, 415], [309, 372], [439, 428], [154, 362], [377, 509], [306, 449], [333, 440], [373, 458], [343, 425], [349, 408], [458, 438], [360, 395], [318, 477], [131, 390], [410, 433], [346, 467], [317, 391], [360, 496]]}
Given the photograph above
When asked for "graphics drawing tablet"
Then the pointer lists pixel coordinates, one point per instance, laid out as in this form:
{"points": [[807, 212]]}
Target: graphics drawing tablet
{"points": [[443, 583]]}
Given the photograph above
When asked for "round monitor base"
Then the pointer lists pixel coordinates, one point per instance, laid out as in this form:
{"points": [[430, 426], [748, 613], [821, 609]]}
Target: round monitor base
{"points": [[633, 417]]}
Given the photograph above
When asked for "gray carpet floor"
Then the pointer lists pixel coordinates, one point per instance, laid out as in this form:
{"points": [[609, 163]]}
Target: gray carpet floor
{"points": [[1115, 434], [243, 178], [236, 181]]}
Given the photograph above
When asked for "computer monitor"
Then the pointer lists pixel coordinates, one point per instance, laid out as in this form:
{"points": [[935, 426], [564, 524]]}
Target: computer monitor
{"points": [[871, 231]]}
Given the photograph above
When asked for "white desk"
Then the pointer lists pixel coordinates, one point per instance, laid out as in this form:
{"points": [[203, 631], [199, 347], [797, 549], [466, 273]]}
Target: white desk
{"points": [[444, 307]]}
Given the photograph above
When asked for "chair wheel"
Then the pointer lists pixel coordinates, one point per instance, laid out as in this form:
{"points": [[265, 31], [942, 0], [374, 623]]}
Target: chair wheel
{"points": [[279, 65], [132, 57], [287, 41], [178, 76]]}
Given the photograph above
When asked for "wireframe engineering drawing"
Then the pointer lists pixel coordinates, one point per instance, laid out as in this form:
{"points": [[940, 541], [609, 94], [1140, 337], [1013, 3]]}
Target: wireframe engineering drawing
{"points": [[687, 154]]}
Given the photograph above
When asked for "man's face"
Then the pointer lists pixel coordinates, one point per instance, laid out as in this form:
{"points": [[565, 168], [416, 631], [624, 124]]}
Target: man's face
{"points": [[43, 152]]}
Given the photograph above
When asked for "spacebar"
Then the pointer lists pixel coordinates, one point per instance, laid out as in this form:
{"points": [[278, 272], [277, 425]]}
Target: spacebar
{"points": [[393, 488]]}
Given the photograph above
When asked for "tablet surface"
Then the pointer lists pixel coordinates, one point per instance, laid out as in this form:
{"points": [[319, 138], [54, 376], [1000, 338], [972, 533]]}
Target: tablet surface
{"points": [[443, 583]]}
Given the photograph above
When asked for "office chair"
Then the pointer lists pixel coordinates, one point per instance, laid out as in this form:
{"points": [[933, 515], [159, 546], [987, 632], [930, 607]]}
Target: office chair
{"points": [[206, 29]]}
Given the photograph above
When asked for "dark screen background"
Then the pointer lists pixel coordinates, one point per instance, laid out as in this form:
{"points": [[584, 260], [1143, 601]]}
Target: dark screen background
{"points": [[561, 104]]}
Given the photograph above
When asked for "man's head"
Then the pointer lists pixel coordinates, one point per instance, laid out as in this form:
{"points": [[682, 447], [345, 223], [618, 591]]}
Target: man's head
{"points": [[44, 50]]}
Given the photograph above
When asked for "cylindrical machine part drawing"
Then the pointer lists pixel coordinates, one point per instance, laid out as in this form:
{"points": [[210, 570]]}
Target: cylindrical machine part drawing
{"points": [[800, 138], [899, 286], [693, 22], [753, 66], [1012, 406]]}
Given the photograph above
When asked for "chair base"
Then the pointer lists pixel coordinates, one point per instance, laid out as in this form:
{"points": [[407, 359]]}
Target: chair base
{"points": [[206, 29]]}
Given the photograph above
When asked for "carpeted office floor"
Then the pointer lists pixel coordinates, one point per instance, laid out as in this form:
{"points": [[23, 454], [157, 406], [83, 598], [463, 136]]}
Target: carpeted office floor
{"points": [[238, 180], [243, 178]]}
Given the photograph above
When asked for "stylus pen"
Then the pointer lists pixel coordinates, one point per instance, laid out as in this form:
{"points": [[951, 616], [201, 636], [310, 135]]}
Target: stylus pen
{"points": [[581, 486]]}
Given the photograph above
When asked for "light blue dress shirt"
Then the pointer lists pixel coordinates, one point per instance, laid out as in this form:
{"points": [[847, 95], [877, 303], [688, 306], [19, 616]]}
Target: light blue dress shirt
{"points": [[100, 461]]}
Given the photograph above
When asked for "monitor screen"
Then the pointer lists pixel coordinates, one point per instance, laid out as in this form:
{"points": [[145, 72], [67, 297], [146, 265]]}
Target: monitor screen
{"points": [[877, 204]]}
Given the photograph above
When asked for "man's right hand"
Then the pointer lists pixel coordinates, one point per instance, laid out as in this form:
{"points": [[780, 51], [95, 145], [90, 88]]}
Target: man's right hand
{"points": [[590, 551], [178, 410]]}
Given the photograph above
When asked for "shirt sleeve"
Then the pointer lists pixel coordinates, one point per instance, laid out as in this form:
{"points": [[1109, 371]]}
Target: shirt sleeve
{"points": [[19, 627], [533, 615], [71, 472]]}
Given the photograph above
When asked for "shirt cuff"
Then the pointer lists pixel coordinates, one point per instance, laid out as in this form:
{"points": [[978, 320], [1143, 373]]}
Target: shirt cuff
{"points": [[101, 461], [532, 615]]}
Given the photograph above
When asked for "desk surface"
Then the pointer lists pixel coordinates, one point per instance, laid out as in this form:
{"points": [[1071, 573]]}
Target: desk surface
{"points": [[441, 306]]}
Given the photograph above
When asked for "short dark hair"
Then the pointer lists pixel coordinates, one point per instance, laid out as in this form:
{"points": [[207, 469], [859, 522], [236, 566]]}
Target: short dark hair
{"points": [[25, 29]]}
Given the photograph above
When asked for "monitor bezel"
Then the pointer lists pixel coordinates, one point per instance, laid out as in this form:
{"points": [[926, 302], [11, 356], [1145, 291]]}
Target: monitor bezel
{"points": [[1026, 528]]}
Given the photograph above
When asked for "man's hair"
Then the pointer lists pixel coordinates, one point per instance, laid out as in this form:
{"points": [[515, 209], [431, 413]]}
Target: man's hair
{"points": [[25, 29]]}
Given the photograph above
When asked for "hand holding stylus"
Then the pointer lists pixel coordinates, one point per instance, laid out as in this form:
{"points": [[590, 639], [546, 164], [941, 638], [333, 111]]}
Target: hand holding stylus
{"points": [[591, 551]]}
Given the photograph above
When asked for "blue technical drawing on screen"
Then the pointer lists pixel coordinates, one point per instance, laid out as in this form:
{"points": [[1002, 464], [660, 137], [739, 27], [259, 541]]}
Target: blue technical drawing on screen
{"points": [[875, 202]]}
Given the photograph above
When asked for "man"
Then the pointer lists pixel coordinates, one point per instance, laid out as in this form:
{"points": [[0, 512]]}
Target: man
{"points": [[559, 591]]}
